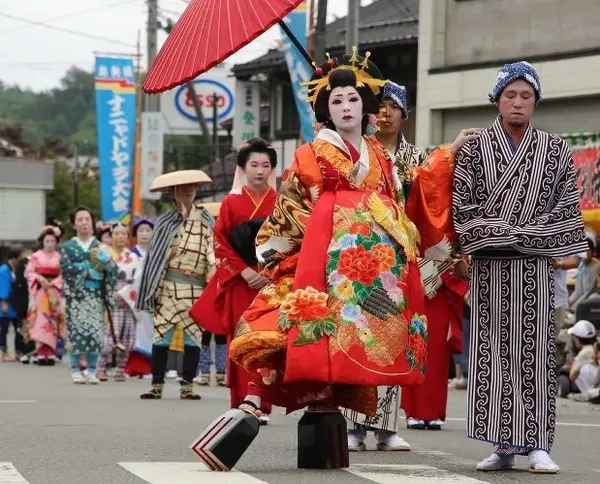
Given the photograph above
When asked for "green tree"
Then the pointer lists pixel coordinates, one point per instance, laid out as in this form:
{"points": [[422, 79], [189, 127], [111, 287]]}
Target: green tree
{"points": [[61, 199]]}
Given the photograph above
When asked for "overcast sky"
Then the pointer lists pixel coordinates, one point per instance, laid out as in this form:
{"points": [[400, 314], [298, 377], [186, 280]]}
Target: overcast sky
{"points": [[35, 51]]}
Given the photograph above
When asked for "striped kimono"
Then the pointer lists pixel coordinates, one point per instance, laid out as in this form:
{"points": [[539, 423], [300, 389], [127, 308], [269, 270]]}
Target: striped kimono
{"points": [[174, 275], [514, 210]]}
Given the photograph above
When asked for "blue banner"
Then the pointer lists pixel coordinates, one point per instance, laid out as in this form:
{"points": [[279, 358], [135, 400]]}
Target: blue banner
{"points": [[299, 70], [115, 122]]}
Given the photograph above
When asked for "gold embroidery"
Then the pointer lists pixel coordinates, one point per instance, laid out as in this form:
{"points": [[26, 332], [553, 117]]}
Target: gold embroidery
{"points": [[401, 228], [347, 168]]}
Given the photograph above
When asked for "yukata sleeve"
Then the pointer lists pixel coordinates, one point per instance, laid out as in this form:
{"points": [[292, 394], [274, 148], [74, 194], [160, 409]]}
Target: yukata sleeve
{"points": [[429, 204], [280, 237], [30, 272], [474, 229], [228, 260], [129, 292], [5, 283], [73, 272], [560, 231], [110, 279]]}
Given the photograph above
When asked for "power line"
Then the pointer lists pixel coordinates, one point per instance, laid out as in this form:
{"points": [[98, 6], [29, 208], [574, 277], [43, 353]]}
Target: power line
{"points": [[71, 15], [68, 31]]}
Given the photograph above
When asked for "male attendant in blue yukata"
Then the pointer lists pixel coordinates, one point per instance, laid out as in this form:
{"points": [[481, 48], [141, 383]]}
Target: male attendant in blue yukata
{"points": [[515, 209]]}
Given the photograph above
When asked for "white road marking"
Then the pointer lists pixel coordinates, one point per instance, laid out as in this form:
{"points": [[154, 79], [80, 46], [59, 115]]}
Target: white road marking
{"points": [[558, 424], [430, 452], [409, 474], [10, 475], [18, 401], [184, 473]]}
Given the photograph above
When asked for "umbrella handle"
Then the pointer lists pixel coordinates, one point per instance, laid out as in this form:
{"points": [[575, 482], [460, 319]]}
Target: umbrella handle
{"points": [[296, 42]]}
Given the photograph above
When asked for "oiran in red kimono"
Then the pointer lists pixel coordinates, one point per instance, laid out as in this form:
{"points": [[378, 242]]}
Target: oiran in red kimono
{"points": [[236, 281], [345, 310]]}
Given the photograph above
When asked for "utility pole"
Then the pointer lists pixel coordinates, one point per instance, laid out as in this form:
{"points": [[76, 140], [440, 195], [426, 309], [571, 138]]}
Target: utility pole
{"points": [[320, 32], [152, 102], [352, 25]]}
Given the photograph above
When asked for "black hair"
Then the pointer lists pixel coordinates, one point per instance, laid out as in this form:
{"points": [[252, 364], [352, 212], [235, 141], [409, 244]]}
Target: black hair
{"points": [[256, 145], [104, 229], [48, 231], [138, 225], [341, 77], [344, 78], [112, 227], [14, 252], [587, 341], [591, 244], [82, 208]]}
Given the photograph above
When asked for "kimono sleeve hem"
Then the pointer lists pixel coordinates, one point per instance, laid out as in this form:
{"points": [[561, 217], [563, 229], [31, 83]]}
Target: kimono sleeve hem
{"points": [[256, 347]]}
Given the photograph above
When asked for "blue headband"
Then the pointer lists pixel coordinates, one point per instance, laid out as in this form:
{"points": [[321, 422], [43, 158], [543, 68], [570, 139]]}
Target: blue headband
{"points": [[510, 73], [141, 221], [396, 93]]}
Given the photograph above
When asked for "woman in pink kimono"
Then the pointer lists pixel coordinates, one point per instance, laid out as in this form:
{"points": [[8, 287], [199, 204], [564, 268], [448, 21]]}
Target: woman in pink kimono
{"points": [[46, 315]]}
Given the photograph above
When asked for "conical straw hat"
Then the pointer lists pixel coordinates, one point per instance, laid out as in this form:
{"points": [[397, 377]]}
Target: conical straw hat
{"points": [[181, 177]]}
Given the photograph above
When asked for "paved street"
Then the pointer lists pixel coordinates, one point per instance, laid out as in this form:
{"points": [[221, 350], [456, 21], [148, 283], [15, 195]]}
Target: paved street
{"points": [[54, 432]]}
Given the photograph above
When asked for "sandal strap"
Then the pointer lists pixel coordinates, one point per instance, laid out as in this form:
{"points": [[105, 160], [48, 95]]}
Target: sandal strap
{"points": [[249, 403]]}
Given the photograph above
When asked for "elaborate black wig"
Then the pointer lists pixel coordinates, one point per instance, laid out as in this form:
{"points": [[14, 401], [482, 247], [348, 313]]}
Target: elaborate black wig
{"points": [[341, 76], [256, 145]]}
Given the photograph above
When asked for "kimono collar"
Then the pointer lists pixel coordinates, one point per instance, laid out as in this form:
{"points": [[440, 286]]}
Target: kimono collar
{"points": [[336, 140], [85, 245], [499, 127]]}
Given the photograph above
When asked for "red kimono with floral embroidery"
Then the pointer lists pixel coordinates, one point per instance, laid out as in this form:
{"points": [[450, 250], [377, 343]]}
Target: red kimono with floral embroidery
{"points": [[345, 311]]}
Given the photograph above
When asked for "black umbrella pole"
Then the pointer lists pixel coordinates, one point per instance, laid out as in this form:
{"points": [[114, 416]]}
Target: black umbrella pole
{"points": [[295, 41]]}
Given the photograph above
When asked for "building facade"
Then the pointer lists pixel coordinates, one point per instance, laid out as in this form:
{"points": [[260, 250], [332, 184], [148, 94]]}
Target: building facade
{"points": [[23, 187], [463, 43]]}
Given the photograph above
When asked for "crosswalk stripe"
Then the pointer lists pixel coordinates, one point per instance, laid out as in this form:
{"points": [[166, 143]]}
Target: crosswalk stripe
{"points": [[184, 473], [10, 475], [408, 474], [18, 401]]}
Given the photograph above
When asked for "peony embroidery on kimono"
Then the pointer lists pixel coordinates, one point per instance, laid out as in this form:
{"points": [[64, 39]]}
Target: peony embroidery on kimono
{"points": [[364, 271], [308, 310]]}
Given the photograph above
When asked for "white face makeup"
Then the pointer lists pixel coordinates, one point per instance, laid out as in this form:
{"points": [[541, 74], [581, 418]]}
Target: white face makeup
{"points": [[346, 109]]}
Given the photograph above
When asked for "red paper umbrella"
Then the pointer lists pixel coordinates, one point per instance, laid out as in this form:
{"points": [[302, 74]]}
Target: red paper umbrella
{"points": [[207, 33]]}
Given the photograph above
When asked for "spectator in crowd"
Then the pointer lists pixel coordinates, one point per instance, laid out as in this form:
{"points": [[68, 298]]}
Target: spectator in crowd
{"points": [[584, 370], [8, 314], [586, 281], [561, 300]]}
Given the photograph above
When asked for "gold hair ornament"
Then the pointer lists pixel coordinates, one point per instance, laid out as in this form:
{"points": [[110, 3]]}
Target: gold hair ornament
{"points": [[363, 78]]}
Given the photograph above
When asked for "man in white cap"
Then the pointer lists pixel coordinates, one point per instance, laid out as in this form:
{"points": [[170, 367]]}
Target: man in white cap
{"points": [[177, 267], [515, 209]]}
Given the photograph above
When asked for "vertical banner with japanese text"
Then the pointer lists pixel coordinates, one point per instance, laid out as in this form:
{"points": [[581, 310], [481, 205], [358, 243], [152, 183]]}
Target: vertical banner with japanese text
{"points": [[246, 119], [152, 153], [115, 124], [299, 70]]}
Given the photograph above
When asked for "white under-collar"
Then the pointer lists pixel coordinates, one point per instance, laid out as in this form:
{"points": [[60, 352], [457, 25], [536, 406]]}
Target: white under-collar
{"points": [[85, 245]]}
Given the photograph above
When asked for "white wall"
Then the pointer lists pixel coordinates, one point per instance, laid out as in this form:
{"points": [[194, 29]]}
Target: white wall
{"points": [[22, 214]]}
